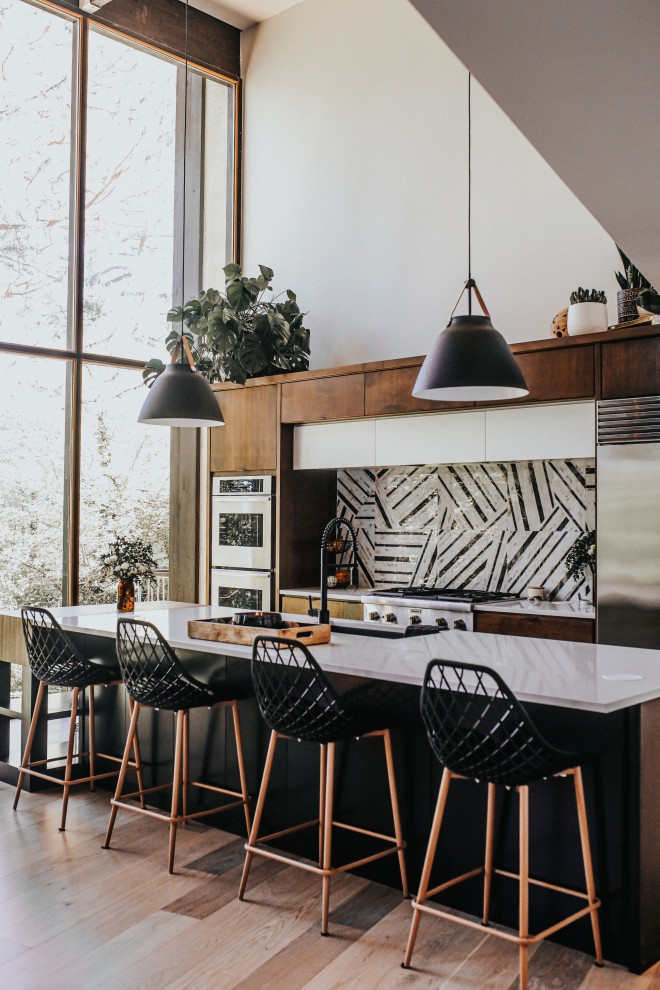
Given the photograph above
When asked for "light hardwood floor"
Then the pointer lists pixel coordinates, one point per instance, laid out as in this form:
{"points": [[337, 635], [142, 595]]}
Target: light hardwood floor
{"points": [[75, 916]]}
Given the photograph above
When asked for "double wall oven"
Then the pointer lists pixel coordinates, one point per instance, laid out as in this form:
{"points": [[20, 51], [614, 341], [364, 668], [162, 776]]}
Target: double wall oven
{"points": [[242, 542]]}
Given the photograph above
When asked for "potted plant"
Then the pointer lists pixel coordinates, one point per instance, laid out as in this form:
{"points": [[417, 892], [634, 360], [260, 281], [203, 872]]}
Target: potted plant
{"points": [[240, 333], [127, 559], [587, 312], [631, 282], [581, 559]]}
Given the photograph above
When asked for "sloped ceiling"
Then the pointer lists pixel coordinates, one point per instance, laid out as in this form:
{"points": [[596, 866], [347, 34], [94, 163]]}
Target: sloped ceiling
{"points": [[243, 13], [582, 81]]}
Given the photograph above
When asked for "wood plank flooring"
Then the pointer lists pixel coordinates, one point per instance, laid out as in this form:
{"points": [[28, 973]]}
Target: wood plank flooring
{"points": [[74, 915]]}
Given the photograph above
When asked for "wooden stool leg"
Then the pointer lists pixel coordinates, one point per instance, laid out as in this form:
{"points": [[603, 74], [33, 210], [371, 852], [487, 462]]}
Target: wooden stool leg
{"points": [[69, 757], [323, 769], [488, 868], [176, 783], [327, 835], [523, 925], [586, 856], [30, 740], [254, 831], [92, 740], [428, 864], [241, 763], [387, 739], [186, 760], [136, 755], [122, 773]]}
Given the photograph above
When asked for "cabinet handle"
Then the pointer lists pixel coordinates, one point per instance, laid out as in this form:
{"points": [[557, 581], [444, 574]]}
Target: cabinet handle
{"points": [[321, 417]]}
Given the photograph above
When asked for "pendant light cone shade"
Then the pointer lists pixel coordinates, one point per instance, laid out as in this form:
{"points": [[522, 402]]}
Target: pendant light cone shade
{"points": [[470, 361], [181, 397]]}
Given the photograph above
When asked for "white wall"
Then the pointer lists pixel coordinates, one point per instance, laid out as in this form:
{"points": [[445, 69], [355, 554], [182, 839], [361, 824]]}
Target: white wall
{"points": [[355, 186]]}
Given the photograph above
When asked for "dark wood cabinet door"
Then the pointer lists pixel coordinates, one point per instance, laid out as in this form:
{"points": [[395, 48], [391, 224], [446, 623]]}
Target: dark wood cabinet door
{"points": [[630, 368], [390, 391], [557, 373], [318, 399], [538, 626], [248, 440]]}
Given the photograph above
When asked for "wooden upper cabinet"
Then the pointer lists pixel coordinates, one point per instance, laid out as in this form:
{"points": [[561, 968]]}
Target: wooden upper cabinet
{"points": [[248, 440], [630, 368], [388, 392], [318, 399], [558, 373]]}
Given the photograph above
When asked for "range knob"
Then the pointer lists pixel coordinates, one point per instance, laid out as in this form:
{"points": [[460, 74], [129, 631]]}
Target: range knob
{"points": [[390, 617], [374, 616], [459, 624], [415, 620], [442, 624]]}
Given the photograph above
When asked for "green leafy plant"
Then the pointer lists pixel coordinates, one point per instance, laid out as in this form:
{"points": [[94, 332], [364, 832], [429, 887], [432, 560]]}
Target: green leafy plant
{"points": [[586, 295], [630, 277], [582, 555], [129, 559], [241, 333]]}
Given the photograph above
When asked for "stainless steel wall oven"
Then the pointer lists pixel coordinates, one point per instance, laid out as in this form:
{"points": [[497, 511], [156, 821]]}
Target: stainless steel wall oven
{"points": [[241, 542]]}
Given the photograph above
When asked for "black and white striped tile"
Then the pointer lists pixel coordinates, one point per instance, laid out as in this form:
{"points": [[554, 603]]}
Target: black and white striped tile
{"points": [[483, 526]]}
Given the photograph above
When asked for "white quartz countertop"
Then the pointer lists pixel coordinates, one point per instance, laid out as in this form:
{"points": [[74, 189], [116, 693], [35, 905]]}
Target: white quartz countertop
{"points": [[521, 606], [584, 676], [334, 594]]}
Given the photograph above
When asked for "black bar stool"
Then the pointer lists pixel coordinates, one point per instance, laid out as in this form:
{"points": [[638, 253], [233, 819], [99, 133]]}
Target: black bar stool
{"points": [[156, 678], [297, 701], [479, 731], [54, 659]]}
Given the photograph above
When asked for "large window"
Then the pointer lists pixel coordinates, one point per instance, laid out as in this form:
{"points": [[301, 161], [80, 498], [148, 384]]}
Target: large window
{"points": [[91, 242]]}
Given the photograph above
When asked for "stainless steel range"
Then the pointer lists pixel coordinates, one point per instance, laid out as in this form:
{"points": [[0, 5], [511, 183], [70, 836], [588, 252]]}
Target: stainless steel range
{"points": [[446, 608]]}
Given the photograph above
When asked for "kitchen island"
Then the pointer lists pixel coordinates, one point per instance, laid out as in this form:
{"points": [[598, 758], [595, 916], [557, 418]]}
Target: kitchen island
{"points": [[604, 698]]}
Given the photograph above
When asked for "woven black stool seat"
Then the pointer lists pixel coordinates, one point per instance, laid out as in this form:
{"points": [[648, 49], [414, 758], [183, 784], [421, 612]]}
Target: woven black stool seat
{"points": [[477, 727], [154, 676], [297, 699], [478, 730], [53, 657]]}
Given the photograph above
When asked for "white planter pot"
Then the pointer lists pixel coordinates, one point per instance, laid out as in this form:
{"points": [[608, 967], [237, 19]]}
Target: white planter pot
{"points": [[586, 317]]}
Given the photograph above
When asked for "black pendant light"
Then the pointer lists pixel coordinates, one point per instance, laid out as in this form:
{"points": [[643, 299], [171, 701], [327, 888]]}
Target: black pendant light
{"points": [[180, 396], [470, 360]]}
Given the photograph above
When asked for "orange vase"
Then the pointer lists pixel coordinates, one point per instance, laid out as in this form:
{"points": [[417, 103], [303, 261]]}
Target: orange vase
{"points": [[126, 595]]}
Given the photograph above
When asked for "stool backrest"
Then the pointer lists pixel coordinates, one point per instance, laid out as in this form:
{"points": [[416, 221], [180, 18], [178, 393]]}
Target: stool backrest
{"points": [[294, 695], [477, 728], [152, 672], [52, 656]]}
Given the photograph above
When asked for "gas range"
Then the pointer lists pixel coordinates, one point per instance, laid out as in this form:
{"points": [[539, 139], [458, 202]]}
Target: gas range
{"points": [[427, 606]]}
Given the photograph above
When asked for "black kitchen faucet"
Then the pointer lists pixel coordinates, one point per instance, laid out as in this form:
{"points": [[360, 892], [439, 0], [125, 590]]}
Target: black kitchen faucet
{"points": [[332, 542]]}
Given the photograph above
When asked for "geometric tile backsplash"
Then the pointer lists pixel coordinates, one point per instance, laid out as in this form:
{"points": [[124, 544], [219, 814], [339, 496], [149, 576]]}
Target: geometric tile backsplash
{"points": [[485, 526]]}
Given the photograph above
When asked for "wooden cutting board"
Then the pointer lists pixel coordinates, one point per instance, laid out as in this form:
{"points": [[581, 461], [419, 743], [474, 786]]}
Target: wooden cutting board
{"points": [[223, 631]]}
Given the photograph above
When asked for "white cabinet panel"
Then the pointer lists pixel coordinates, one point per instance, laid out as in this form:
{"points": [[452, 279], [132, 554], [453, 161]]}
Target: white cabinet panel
{"points": [[335, 445], [434, 438], [541, 432]]}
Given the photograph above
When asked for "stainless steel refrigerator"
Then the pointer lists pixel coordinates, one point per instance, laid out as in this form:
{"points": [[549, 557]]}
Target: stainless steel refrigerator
{"points": [[628, 522]]}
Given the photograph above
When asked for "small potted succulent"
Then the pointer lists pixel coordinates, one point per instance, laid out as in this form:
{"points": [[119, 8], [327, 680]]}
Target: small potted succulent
{"points": [[581, 560], [632, 283], [587, 312]]}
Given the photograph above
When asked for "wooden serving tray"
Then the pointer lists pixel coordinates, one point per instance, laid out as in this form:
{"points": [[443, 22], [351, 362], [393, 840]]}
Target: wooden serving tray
{"points": [[223, 631]]}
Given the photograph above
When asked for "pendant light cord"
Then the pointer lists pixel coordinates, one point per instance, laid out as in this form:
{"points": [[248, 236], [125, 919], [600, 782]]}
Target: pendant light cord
{"points": [[183, 218], [470, 193]]}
